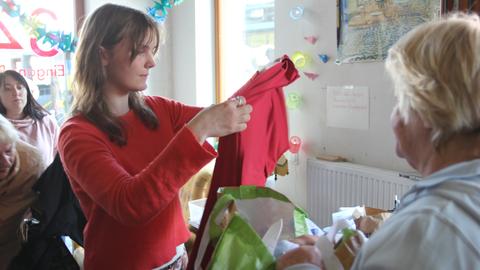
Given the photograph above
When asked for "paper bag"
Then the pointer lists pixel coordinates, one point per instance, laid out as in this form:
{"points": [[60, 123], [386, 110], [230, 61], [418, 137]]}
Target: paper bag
{"points": [[373, 219]]}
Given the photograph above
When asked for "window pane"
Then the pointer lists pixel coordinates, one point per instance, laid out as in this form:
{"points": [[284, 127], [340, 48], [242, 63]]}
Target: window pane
{"points": [[246, 41], [34, 40]]}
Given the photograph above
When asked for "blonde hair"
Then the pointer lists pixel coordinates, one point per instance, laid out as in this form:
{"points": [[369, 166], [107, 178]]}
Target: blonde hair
{"points": [[436, 73], [106, 27], [8, 133]]}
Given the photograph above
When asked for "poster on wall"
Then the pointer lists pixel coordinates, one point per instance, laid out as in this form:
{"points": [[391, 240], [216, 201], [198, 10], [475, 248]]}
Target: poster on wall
{"points": [[348, 107], [368, 28]]}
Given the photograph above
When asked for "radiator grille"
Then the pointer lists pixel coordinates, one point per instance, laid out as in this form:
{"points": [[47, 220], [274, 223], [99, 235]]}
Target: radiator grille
{"points": [[331, 185]]}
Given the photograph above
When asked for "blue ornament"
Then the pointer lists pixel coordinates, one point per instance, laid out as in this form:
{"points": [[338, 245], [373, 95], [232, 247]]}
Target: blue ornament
{"points": [[324, 58], [65, 42], [153, 13], [159, 11]]}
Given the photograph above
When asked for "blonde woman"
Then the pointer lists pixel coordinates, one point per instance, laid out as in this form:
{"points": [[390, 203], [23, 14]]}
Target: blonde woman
{"points": [[127, 155]]}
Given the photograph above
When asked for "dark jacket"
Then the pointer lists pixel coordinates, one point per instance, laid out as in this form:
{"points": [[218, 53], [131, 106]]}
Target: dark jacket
{"points": [[58, 213]]}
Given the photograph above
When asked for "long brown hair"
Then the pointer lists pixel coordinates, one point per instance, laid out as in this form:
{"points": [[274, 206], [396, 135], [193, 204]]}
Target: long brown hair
{"points": [[106, 27], [32, 108]]}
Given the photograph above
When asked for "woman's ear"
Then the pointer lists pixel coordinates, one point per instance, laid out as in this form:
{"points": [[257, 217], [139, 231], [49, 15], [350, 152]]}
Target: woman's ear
{"points": [[104, 55], [425, 122]]}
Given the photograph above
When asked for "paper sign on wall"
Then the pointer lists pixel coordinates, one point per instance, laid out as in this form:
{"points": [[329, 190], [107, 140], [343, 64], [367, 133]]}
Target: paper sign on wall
{"points": [[348, 107]]}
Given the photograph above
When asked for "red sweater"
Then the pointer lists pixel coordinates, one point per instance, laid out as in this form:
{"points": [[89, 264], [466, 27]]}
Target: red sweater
{"points": [[129, 194], [249, 157]]}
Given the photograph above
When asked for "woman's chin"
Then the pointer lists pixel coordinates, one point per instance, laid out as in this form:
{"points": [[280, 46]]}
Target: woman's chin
{"points": [[399, 152], [141, 88]]}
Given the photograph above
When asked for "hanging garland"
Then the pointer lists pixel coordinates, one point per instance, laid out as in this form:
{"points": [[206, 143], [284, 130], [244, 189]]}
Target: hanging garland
{"points": [[159, 10], [37, 29]]}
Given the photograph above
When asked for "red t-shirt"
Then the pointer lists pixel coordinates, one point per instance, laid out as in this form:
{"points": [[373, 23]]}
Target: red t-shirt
{"points": [[129, 194], [249, 157]]}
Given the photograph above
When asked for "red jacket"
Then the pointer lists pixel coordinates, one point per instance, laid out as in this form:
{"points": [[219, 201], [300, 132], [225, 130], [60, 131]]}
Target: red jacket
{"points": [[249, 157]]}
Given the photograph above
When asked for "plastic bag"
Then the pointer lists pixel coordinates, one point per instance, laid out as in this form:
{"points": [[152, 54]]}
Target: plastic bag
{"points": [[241, 217]]}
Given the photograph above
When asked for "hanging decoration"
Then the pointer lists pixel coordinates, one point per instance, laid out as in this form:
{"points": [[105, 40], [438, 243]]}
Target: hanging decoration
{"points": [[294, 146], [311, 39], [324, 58], [293, 100], [300, 59], [311, 75], [35, 28], [296, 13], [159, 10], [281, 167]]}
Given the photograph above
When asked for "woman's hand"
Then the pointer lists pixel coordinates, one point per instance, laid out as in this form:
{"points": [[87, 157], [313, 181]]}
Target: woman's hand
{"points": [[303, 254], [221, 119], [305, 240]]}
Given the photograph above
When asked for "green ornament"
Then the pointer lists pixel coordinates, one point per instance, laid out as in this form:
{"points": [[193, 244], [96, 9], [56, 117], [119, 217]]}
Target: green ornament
{"points": [[294, 100]]}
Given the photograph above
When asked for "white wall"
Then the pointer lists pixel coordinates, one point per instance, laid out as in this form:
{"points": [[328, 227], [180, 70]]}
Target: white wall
{"points": [[182, 35], [192, 52]]}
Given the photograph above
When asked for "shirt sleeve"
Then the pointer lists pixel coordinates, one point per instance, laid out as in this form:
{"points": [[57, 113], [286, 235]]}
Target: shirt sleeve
{"points": [[179, 113], [130, 199], [54, 132], [420, 240], [303, 266]]}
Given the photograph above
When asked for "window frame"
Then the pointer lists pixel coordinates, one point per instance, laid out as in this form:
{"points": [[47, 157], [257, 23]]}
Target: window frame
{"points": [[218, 53]]}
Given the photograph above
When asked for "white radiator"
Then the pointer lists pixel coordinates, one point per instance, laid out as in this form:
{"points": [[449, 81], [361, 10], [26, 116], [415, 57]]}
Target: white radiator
{"points": [[331, 185]]}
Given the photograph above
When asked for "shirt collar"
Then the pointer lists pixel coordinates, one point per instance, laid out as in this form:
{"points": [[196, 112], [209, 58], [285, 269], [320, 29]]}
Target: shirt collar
{"points": [[467, 170]]}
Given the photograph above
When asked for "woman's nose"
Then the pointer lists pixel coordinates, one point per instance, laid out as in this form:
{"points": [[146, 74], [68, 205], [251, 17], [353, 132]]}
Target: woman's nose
{"points": [[18, 91], [5, 161], [150, 60]]}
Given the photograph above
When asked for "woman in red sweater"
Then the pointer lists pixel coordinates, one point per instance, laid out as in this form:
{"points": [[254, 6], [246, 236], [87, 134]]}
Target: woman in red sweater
{"points": [[127, 155]]}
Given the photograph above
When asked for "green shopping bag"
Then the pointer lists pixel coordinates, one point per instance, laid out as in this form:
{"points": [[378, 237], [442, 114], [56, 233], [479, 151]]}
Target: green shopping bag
{"points": [[240, 236], [241, 217]]}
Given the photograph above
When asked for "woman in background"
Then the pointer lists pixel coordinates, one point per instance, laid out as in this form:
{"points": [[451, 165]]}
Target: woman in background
{"points": [[34, 123], [126, 154]]}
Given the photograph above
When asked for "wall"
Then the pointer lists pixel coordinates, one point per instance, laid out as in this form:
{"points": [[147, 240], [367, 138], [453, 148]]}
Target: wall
{"points": [[372, 147], [192, 52], [182, 35]]}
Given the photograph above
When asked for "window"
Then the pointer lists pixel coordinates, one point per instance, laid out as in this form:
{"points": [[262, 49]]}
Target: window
{"points": [[36, 40], [245, 41]]}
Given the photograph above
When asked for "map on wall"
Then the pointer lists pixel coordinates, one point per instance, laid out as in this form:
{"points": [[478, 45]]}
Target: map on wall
{"points": [[368, 28]]}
